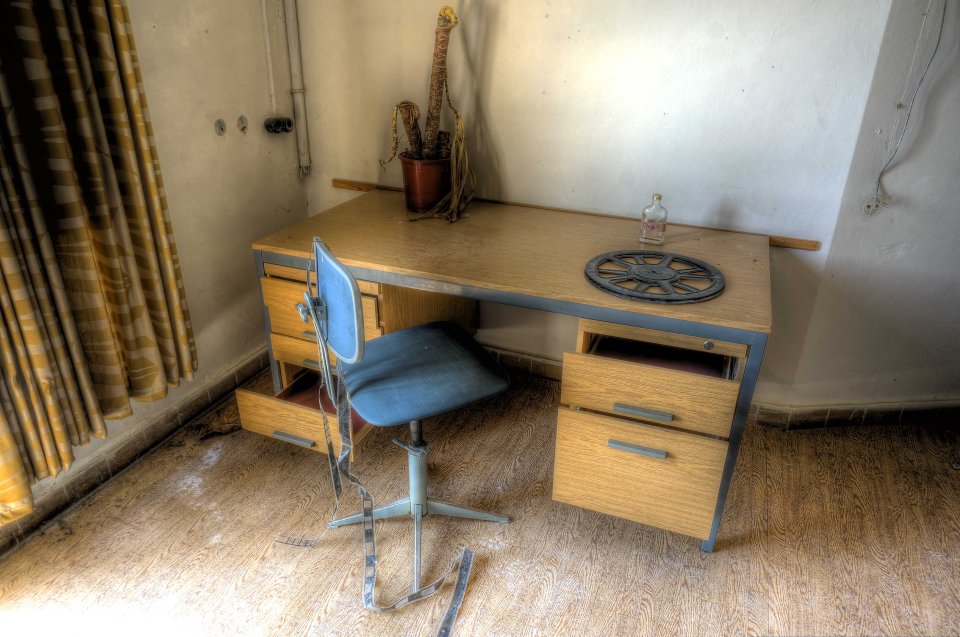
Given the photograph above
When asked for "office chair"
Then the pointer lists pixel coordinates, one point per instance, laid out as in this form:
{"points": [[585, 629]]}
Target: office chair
{"points": [[399, 378]]}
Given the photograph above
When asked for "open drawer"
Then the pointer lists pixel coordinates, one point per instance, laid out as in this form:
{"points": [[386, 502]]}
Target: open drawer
{"points": [[295, 414], [667, 379], [652, 393]]}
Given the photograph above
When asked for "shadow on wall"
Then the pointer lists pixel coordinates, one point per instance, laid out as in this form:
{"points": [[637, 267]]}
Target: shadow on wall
{"points": [[725, 215], [480, 19], [794, 283], [794, 287]]}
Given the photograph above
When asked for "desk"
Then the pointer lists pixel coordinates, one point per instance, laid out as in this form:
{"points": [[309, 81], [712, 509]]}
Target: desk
{"points": [[534, 258]]}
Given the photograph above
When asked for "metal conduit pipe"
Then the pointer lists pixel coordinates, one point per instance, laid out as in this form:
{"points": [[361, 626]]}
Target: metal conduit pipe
{"points": [[296, 86]]}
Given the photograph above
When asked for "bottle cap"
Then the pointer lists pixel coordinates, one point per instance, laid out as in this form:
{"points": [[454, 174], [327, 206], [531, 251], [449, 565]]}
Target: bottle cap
{"points": [[657, 196]]}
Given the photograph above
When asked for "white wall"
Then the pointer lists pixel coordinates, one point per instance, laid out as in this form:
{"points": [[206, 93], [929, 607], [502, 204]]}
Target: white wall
{"points": [[744, 113], [883, 325], [202, 61]]}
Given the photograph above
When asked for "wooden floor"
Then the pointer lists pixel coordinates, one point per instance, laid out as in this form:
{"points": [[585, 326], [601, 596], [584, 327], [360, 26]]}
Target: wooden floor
{"points": [[827, 532]]}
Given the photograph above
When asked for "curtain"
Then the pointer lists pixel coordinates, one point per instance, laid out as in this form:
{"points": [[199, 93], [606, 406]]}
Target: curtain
{"points": [[93, 307]]}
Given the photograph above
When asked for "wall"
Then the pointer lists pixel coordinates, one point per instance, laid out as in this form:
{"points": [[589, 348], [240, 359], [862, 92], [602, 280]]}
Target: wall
{"points": [[200, 62], [882, 328], [744, 113]]}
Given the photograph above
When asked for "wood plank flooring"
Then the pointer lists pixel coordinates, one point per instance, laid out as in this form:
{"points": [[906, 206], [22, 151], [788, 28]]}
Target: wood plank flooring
{"points": [[827, 532]]}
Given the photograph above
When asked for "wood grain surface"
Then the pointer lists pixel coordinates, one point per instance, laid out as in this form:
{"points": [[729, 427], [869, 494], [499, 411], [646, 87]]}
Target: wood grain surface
{"points": [[406, 307], [678, 492], [266, 415], [697, 403], [297, 351], [281, 298], [851, 531], [531, 251], [586, 328], [299, 275]]}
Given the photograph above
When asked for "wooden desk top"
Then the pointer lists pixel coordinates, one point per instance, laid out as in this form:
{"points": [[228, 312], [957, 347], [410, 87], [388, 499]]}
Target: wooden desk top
{"points": [[533, 252]]}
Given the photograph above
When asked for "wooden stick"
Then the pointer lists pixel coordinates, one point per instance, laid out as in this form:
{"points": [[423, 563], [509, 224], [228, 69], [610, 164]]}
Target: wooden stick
{"points": [[446, 21], [775, 240]]}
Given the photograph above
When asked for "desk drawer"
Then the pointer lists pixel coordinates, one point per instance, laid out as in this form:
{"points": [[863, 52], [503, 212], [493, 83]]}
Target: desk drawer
{"points": [[299, 352], [295, 351], [295, 414], [677, 492], [281, 298], [679, 399], [299, 275]]}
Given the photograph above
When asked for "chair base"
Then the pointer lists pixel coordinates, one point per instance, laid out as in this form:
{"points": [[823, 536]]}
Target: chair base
{"points": [[403, 506], [417, 504]]}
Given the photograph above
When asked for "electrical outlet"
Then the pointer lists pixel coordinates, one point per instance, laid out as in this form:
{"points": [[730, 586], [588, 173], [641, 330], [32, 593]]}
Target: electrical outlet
{"points": [[873, 205]]}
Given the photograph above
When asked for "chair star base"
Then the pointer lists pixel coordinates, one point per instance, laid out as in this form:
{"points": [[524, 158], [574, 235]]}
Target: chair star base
{"points": [[417, 504], [402, 507]]}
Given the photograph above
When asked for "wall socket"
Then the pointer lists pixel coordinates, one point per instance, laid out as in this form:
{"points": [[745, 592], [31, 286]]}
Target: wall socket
{"points": [[873, 205]]}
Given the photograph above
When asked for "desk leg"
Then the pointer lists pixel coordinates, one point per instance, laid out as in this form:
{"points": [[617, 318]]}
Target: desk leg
{"points": [[754, 356]]}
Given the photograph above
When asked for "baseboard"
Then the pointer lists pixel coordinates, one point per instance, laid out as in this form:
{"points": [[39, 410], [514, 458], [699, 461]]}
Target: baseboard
{"points": [[73, 487], [785, 418], [544, 367]]}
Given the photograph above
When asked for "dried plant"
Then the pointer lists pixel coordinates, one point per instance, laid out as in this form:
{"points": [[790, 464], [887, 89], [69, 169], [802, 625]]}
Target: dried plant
{"points": [[434, 143]]}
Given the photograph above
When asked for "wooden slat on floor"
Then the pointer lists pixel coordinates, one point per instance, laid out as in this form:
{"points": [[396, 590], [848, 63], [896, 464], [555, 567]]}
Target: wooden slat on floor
{"points": [[827, 531]]}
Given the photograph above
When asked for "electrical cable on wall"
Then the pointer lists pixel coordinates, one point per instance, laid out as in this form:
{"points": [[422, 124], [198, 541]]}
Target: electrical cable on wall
{"points": [[879, 199]]}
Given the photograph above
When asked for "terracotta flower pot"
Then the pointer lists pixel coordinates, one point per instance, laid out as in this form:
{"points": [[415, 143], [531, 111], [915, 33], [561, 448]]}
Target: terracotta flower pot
{"points": [[425, 181]]}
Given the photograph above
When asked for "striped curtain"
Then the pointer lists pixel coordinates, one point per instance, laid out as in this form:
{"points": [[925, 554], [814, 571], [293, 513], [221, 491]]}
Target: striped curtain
{"points": [[93, 307]]}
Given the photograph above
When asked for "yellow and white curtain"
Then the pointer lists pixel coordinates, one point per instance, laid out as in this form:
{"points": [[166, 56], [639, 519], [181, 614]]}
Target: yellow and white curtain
{"points": [[93, 307]]}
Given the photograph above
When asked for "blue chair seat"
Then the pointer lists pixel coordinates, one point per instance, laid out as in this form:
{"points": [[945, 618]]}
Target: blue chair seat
{"points": [[420, 372]]}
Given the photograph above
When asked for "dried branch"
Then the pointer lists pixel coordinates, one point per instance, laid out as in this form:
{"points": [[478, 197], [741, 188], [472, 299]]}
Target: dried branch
{"points": [[446, 21]]}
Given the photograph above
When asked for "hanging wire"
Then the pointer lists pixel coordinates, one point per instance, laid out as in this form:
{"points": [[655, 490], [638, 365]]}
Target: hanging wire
{"points": [[913, 100]]}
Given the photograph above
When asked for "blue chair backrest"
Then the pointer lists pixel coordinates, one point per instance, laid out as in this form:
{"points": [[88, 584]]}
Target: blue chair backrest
{"points": [[343, 328]]}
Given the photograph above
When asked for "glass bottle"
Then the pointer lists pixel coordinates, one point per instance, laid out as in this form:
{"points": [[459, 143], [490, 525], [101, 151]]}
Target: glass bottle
{"points": [[653, 222]]}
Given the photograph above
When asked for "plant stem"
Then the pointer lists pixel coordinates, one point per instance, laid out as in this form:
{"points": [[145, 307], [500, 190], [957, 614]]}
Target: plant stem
{"points": [[410, 114], [446, 21]]}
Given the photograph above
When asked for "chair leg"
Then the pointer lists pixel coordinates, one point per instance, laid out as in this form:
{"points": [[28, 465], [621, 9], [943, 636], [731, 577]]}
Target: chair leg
{"points": [[438, 507], [417, 526], [395, 509]]}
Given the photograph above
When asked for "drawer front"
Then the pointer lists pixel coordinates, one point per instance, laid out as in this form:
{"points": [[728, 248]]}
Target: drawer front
{"points": [[680, 399], [282, 297], [299, 352], [629, 332], [299, 275], [280, 419], [296, 351], [667, 479]]}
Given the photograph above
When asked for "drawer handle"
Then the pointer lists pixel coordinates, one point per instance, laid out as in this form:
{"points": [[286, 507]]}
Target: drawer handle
{"points": [[297, 440], [309, 334], [630, 410], [659, 454], [312, 364]]}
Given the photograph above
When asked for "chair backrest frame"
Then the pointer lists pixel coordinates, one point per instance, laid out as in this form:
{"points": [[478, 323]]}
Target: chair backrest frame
{"points": [[337, 325], [337, 289]]}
